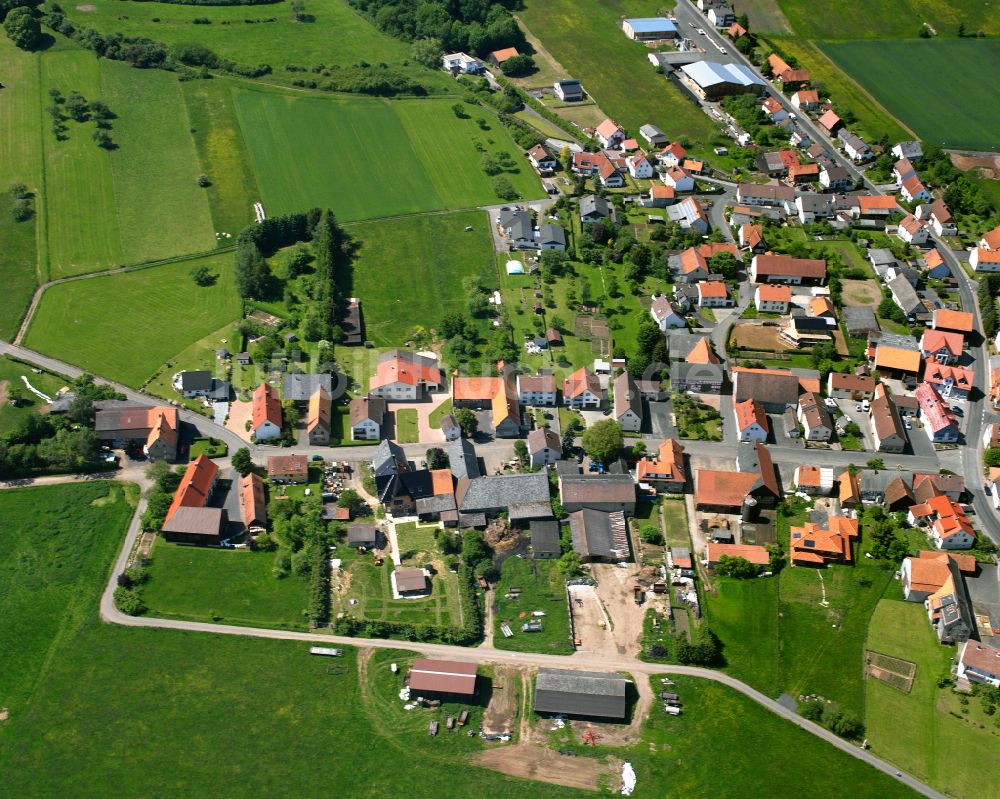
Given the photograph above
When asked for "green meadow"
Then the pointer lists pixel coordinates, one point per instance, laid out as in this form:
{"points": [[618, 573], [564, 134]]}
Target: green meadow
{"points": [[162, 212], [889, 19], [409, 271], [126, 326], [368, 158]]}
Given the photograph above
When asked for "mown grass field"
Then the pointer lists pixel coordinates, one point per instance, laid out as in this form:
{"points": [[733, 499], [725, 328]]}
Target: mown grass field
{"points": [[20, 162], [56, 544], [889, 19], [222, 153], [407, 431], [226, 585], [417, 155], [127, 326], [81, 215], [744, 614], [544, 591], [913, 730], [162, 212], [873, 120], [11, 373], [338, 36], [724, 746], [935, 87], [409, 271], [585, 36]]}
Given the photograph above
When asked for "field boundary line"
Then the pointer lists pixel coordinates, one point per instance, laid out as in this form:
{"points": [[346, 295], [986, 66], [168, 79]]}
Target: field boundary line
{"points": [[36, 298]]}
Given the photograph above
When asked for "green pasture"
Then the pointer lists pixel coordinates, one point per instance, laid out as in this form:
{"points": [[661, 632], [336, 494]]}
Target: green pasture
{"points": [[17, 266], [409, 271], [81, 215], [338, 36], [937, 87], [368, 158], [162, 212], [126, 326], [585, 36], [914, 731], [231, 586], [11, 373], [889, 19]]}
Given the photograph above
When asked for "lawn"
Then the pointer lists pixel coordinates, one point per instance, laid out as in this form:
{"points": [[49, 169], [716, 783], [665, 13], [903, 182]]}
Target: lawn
{"points": [[56, 544], [585, 36], [928, 84], [201, 355], [435, 416], [675, 522], [209, 447], [873, 120], [12, 372], [409, 271], [406, 426], [763, 754], [222, 153], [231, 586], [127, 326], [20, 162], [162, 212], [744, 614], [889, 19], [81, 216], [338, 36], [913, 730], [542, 588], [304, 153]]}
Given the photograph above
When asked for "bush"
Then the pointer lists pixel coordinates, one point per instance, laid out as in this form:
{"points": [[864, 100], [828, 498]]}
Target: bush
{"points": [[129, 601], [651, 535], [504, 189]]}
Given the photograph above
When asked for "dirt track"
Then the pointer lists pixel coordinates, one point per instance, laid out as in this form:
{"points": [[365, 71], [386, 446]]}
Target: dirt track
{"points": [[538, 763]]}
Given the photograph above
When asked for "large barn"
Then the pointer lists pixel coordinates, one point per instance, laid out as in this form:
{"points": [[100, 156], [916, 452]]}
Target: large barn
{"points": [[590, 694]]}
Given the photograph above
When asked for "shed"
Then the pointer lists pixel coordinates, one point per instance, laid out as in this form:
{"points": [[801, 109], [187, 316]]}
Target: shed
{"points": [[591, 694], [545, 539], [442, 677], [361, 535]]}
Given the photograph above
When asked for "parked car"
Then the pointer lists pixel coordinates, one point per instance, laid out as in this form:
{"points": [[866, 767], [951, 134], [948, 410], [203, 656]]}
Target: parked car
{"points": [[701, 31]]}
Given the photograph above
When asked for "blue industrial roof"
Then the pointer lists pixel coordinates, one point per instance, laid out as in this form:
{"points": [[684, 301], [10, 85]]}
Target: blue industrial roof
{"points": [[710, 73], [651, 25]]}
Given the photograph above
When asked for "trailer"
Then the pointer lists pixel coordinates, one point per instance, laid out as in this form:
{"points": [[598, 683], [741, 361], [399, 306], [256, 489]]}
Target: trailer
{"points": [[672, 710], [532, 627], [463, 717], [669, 695], [432, 729], [449, 723], [323, 650]]}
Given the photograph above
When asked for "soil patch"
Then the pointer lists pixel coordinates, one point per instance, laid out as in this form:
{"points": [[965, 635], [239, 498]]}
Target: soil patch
{"points": [[988, 165], [4, 393], [87, 7], [861, 292], [538, 763], [758, 337], [503, 708]]}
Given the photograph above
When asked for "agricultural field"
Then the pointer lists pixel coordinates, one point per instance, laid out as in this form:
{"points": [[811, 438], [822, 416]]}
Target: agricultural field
{"points": [[930, 84], [56, 544], [222, 153], [162, 212], [304, 152], [915, 730], [126, 326], [744, 614], [890, 19], [408, 272], [81, 216], [229, 586], [542, 588], [585, 37], [338, 36], [20, 162]]}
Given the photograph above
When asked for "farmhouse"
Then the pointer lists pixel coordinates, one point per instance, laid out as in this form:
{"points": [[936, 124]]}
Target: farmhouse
{"points": [[442, 678], [288, 468], [813, 545], [979, 663], [266, 418], [775, 389], [815, 418], [627, 409], [830, 122], [200, 383], [756, 555], [912, 190], [935, 579], [848, 386], [698, 370], [157, 428], [711, 80], [587, 694], [388, 458], [941, 346], [752, 238], [649, 29], [949, 527], [772, 299], [751, 421], [984, 260], [887, 427], [604, 492], [405, 376], [188, 518], [766, 194], [542, 159], [855, 147], [544, 446], [911, 231], [582, 389], [806, 99], [366, 415]]}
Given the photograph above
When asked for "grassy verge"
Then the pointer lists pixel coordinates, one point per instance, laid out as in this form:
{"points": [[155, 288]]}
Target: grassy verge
{"points": [[209, 447]]}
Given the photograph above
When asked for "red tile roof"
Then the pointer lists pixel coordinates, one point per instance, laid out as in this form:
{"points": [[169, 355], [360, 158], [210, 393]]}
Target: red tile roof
{"points": [[952, 320], [266, 407], [195, 485]]}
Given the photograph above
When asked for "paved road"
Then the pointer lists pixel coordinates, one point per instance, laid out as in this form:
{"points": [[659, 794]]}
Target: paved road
{"points": [[488, 654]]}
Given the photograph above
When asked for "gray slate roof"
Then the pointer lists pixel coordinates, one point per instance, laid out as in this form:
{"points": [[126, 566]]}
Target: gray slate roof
{"points": [[545, 538], [502, 491], [592, 204], [462, 459], [580, 693], [388, 458], [300, 387], [551, 234]]}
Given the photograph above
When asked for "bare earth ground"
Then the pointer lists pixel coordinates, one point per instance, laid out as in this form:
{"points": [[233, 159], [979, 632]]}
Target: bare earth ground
{"points": [[861, 292], [535, 762], [988, 165], [3, 391], [757, 337], [614, 587], [503, 708]]}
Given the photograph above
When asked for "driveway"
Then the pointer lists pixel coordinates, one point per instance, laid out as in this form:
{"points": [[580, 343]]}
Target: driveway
{"points": [[661, 422]]}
